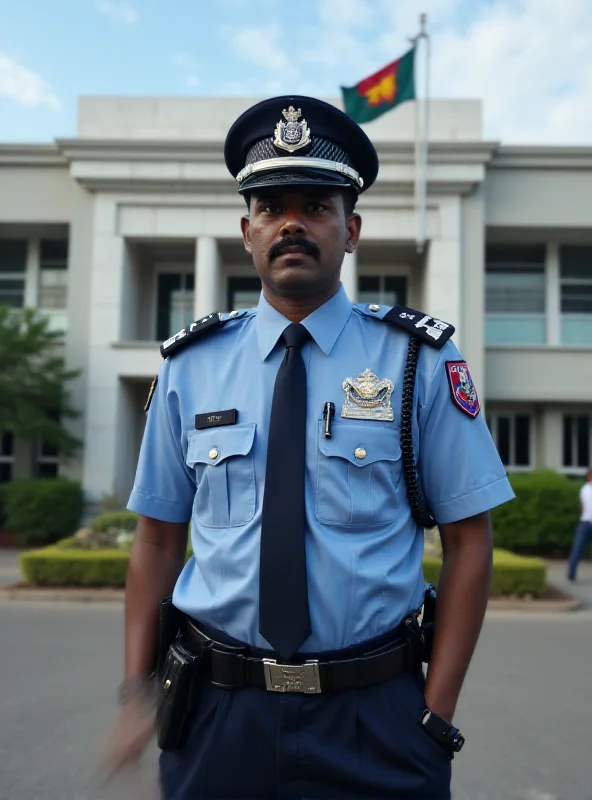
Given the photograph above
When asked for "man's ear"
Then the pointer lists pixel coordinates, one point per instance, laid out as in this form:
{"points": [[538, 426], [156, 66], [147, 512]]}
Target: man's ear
{"points": [[354, 227], [246, 231]]}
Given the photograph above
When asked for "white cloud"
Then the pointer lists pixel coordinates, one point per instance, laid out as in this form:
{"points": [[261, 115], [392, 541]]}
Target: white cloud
{"points": [[529, 62], [261, 47], [192, 81], [25, 86], [118, 10]]}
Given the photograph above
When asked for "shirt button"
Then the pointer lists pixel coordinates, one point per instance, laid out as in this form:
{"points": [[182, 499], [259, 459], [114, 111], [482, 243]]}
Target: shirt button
{"points": [[374, 308], [360, 453], [213, 454]]}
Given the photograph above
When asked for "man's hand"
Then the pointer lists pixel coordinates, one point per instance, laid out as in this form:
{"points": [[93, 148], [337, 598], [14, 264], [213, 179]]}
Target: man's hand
{"points": [[134, 729]]}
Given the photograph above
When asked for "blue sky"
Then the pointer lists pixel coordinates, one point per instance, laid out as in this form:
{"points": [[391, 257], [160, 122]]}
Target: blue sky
{"points": [[528, 60]]}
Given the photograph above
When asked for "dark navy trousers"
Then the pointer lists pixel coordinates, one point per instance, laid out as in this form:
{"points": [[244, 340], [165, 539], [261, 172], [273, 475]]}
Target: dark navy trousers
{"points": [[362, 743]]}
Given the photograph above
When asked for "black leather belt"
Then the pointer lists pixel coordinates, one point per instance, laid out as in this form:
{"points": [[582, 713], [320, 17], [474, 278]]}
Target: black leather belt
{"points": [[231, 667]]}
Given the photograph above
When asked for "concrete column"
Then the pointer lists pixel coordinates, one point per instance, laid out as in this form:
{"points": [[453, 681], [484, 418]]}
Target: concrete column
{"points": [[472, 291], [552, 438], [32, 274], [349, 276], [553, 295], [207, 267]]}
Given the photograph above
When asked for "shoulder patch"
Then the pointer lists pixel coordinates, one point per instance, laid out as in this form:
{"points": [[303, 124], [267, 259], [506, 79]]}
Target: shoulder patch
{"points": [[190, 334], [430, 330], [462, 388]]}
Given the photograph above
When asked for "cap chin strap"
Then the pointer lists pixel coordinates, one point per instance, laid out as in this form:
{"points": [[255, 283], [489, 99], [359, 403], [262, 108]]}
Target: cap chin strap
{"points": [[303, 162]]}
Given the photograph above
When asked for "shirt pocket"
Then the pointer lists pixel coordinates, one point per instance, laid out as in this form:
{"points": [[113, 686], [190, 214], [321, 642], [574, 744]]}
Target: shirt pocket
{"points": [[225, 475], [359, 471]]}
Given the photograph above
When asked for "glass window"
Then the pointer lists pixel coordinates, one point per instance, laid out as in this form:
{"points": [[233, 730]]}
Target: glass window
{"points": [[515, 294], [174, 303], [577, 445], [53, 282], [13, 268], [511, 434], [576, 294], [48, 461], [388, 290], [6, 456], [243, 293]]}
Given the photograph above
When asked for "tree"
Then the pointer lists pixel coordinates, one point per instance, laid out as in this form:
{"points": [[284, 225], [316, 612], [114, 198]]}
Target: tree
{"points": [[34, 395]]}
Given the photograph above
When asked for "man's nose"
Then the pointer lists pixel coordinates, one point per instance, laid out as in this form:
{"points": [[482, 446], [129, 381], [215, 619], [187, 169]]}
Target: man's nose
{"points": [[292, 224]]}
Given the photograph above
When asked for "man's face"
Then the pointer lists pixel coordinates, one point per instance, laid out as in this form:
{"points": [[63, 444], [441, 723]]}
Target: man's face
{"points": [[298, 237]]}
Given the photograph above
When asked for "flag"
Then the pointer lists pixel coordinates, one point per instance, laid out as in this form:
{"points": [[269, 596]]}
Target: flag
{"points": [[387, 88]]}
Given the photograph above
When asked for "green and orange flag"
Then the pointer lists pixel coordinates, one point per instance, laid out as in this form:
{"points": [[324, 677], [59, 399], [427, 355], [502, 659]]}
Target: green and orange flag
{"points": [[387, 88]]}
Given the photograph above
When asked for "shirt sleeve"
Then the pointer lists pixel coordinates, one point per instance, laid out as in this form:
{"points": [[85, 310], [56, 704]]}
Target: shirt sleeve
{"points": [[164, 487], [459, 466]]}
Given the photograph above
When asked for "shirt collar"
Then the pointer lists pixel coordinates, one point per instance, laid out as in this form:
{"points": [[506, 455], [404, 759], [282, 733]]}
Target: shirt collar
{"points": [[324, 324]]}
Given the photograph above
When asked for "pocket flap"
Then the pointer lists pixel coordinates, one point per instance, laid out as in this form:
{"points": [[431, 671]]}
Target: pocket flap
{"points": [[215, 445], [361, 443]]}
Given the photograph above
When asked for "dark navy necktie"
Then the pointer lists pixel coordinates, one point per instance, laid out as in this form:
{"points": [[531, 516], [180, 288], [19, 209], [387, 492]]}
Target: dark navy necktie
{"points": [[284, 618]]}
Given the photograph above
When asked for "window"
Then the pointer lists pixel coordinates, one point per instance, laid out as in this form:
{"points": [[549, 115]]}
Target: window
{"points": [[53, 282], [243, 293], [6, 456], [515, 294], [174, 302], [13, 268], [388, 290], [577, 433], [576, 295], [511, 434], [48, 461]]}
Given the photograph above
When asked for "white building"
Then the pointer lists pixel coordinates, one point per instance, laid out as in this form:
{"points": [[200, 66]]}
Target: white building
{"points": [[130, 230]]}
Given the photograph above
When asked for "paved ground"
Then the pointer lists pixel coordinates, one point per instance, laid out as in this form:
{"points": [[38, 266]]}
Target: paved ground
{"points": [[525, 710]]}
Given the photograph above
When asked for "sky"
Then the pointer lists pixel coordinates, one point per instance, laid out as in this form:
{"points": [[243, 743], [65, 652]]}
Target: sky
{"points": [[529, 61]]}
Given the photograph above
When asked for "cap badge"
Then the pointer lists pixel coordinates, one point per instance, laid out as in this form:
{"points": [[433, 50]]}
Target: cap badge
{"points": [[367, 397], [291, 135]]}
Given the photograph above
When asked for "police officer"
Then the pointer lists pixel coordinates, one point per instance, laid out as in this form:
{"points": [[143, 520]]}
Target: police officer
{"points": [[308, 441]]}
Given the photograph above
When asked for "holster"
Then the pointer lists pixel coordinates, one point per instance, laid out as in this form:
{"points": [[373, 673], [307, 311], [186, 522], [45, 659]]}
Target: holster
{"points": [[423, 634], [176, 673], [169, 624], [177, 699]]}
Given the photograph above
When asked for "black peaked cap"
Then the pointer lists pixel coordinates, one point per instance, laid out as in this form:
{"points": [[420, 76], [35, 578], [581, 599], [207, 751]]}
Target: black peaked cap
{"points": [[264, 140]]}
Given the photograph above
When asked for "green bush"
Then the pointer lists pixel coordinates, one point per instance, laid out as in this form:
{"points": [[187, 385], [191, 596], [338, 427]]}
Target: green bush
{"points": [[542, 518], [53, 566], [115, 521], [512, 574], [42, 510]]}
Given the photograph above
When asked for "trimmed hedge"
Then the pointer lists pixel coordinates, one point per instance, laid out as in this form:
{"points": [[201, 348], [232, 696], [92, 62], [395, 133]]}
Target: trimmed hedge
{"points": [[42, 510], [512, 574], [115, 520], [55, 566], [542, 518]]}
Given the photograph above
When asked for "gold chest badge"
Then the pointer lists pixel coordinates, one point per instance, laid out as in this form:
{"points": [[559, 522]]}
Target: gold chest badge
{"points": [[367, 397]]}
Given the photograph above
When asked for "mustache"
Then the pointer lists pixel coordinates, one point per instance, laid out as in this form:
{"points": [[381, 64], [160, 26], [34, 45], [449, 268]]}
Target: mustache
{"points": [[279, 248]]}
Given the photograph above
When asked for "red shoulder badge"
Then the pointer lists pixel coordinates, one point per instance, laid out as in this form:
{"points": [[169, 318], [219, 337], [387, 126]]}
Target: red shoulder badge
{"points": [[462, 388]]}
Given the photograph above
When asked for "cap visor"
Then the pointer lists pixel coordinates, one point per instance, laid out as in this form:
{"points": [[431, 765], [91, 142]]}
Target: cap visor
{"points": [[310, 177]]}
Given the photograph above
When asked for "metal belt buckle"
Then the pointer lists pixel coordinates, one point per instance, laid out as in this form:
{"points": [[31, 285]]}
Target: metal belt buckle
{"points": [[302, 678]]}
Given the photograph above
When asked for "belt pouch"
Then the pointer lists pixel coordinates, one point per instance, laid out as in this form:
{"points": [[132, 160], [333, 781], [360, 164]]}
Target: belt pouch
{"points": [[178, 685]]}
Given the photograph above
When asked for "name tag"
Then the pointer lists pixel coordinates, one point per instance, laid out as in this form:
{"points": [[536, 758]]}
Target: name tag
{"points": [[215, 418]]}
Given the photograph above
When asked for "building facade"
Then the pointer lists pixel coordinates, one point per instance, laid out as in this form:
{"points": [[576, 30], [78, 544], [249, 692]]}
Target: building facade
{"points": [[130, 230]]}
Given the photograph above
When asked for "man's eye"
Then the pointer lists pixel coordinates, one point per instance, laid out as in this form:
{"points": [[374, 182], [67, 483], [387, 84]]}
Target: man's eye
{"points": [[271, 208], [318, 207]]}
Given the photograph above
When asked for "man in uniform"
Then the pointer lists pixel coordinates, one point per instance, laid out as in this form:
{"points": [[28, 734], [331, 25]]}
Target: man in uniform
{"points": [[308, 441]]}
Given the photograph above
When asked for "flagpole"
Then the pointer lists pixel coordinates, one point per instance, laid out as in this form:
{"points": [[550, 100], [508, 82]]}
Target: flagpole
{"points": [[421, 141]]}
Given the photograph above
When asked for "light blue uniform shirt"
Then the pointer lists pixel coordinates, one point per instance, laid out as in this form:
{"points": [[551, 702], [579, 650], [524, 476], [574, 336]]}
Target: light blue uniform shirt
{"points": [[363, 549]]}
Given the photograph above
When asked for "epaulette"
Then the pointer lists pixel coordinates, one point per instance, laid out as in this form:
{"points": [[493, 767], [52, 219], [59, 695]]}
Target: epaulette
{"points": [[195, 331], [430, 330]]}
